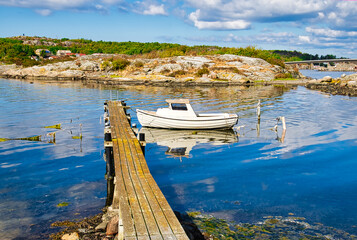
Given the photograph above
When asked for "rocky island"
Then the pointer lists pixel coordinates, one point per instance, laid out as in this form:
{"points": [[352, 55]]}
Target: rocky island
{"points": [[123, 69], [133, 63]]}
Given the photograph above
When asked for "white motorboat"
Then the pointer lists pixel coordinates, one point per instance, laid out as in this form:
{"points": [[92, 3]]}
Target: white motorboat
{"points": [[180, 115]]}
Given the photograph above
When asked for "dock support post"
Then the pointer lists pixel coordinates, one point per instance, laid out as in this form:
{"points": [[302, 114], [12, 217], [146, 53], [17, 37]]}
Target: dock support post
{"points": [[142, 142], [124, 105], [108, 149], [105, 106], [110, 192], [109, 159]]}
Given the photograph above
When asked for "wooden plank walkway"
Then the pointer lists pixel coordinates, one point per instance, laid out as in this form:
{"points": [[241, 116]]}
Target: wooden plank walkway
{"points": [[144, 212]]}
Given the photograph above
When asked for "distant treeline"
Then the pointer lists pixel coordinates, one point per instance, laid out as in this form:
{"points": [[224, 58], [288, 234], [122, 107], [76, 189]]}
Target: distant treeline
{"points": [[12, 50], [299, 56]]}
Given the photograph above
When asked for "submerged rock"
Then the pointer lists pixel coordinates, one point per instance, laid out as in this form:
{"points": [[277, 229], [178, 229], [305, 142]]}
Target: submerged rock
{"points": [[271, 228], [70, 236]]}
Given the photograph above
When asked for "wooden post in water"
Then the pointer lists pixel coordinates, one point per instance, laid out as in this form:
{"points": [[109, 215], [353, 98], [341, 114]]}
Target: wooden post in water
{"points": [[283, 122], [258, 109], [284, 129], [258, 114]]}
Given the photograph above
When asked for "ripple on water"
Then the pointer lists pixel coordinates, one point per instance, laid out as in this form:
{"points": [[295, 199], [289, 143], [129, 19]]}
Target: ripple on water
{"points": [[311, 172]]}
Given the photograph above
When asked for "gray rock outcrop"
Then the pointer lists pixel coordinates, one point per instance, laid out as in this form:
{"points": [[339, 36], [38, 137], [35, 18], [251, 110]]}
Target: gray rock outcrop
{"points": [[211, 68]]}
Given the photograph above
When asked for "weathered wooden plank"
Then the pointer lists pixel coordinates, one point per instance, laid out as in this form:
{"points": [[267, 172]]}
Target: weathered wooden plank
{"points": [[169, 214], [181, 236], [141, 197], [135, 175], [154, 204], [141, 210], [156, 212], [144, 237], [169, 237], [131, 238], [132, 223], [112, 116], [123, 200], [137, 216], [156, 237], [163, 212]]}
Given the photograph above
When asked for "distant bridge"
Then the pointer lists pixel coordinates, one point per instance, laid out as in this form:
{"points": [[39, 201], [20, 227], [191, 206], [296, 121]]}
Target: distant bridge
{"points": [[324, 61]]}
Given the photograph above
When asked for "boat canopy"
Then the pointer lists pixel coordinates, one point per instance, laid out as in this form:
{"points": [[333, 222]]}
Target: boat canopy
{"points": [[185, 101]]}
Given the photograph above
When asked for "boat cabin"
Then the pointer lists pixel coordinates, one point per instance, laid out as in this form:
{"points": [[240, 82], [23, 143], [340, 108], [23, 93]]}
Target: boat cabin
{"points": [[177, 108]]}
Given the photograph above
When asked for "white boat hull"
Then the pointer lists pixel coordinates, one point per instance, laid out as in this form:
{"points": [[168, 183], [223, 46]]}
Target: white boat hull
{"points": [[203, 121]]}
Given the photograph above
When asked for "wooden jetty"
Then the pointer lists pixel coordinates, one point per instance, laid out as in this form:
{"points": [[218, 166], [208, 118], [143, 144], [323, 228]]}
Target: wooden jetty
{"points": [[144, 212]]}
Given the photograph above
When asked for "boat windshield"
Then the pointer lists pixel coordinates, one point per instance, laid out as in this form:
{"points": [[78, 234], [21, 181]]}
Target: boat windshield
{"points": [[179, 106]]}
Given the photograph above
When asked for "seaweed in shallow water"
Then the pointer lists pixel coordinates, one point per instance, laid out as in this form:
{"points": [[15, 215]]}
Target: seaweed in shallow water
{"points": [[271, 228], [33, 138], [56, 126]]}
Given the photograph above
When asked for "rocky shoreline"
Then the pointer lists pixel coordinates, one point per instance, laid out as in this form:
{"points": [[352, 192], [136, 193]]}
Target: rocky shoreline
{"points": [[344, 85], [134, 70], [209, 70], [104, 226], [198, 226]]}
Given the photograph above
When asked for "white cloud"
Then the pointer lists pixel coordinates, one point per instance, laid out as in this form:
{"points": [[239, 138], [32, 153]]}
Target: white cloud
{"points": [[305, 39], [247, 9], [234, 24], [43, 12], [246, 12], [111, 2], [155, 10], [330, 33], [48, 4], [332, 16]]}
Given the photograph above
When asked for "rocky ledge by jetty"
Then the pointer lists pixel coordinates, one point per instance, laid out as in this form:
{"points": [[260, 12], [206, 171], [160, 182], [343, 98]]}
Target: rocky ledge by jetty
{"points": [[344, 85], [123, 69], [105, 226]]}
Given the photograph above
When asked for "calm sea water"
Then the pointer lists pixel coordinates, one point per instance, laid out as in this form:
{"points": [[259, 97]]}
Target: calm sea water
{"points": [[321, 74], [242, 176]]}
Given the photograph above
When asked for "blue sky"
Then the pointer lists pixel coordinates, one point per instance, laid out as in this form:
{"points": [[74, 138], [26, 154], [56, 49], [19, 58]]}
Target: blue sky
{"points": [[312, 26]]}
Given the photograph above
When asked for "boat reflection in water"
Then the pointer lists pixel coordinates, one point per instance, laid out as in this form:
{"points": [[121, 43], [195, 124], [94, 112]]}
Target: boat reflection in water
{"points": [[181, 142]]}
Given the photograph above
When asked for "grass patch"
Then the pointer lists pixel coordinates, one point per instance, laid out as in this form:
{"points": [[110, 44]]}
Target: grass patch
{"points": [[178, 73], [120, 64], [283, 75], [114, 76], [138, 64], [202, 71]]}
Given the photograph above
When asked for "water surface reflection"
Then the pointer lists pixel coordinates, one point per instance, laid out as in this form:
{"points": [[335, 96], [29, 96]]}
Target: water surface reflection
{"points": [[181, 142], [310, 174]]}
